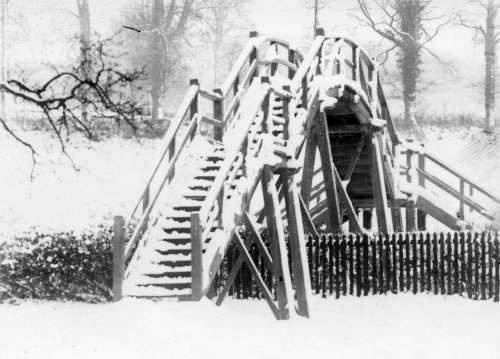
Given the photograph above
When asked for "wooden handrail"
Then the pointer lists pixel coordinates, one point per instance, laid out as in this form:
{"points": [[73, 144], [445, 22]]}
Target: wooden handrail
{"points": [[459, 175], [168, 139], [238, 66], [226, 166], [306, 63], [131, 244]]}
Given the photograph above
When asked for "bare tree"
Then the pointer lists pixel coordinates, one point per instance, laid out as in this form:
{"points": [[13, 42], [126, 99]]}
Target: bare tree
{"points": [[406, 25], [484, 25], [316, 6], [84, 20], [106, 90], [222, 18]]}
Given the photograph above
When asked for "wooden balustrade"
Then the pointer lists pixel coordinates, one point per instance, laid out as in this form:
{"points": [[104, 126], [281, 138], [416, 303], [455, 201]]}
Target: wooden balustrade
{"points": [[418, 170]]}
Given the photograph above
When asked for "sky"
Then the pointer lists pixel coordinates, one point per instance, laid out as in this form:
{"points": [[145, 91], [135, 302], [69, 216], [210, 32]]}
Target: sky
{"points": [[48, 25]]}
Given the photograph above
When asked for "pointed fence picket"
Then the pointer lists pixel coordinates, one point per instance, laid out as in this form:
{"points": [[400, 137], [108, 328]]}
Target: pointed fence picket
{"points": [[460, 263]]}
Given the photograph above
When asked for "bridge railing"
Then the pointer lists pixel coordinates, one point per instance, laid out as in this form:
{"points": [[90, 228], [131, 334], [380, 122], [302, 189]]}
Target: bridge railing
{"points": [[425, 169], [206, 257]]}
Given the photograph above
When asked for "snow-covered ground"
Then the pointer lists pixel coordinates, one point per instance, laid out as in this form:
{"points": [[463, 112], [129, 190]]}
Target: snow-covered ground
{"points": [[111, 176], [403, 326]]}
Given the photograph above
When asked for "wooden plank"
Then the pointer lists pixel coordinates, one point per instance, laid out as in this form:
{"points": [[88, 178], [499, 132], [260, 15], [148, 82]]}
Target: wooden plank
{"points": [[258, 240], [331, 183], [308, 220], [351, 211], [308, 169], [438, 213], [355, 159], [281, 270], [230, 280], [384, 219], [297, 241]]}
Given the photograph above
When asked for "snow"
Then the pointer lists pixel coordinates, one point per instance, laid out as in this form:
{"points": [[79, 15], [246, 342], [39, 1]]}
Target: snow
{"points": [[403, 326], [111, 176]]}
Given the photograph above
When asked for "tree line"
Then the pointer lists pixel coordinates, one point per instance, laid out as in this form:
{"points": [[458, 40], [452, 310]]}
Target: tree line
{"points": [[125, 77]]}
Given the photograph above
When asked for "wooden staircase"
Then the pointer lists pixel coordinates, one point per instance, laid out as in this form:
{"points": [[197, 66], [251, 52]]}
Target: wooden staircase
{"points": [[182, 225]]}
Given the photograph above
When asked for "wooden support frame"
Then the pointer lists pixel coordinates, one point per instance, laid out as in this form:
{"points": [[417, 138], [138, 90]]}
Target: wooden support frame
{"points": [[118, 257], [245, 257], [331, 182], [384, 218], [281, 270]]}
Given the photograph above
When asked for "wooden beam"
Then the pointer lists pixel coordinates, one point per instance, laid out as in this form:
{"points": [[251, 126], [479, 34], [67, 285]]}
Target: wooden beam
{"points": [[351, 212], [308, 168], [384, 219], [307, 217], [297, 242], [118, 257], [281, 270], [245, 257], [331, 183], [258, 240], [355, 158]]}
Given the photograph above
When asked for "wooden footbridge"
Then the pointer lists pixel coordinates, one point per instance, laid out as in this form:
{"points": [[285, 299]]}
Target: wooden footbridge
{"points": [[293, 144]]}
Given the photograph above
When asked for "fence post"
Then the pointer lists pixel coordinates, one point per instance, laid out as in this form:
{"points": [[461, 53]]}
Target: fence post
{"points": [[196, 257], [461, 210], [497, 269], [118, 257], [219, 116]]}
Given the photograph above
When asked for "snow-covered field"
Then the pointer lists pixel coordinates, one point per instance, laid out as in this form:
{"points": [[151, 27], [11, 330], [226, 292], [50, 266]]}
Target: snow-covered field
{"points": [[113, 172], [110, 178], [403, 326]]}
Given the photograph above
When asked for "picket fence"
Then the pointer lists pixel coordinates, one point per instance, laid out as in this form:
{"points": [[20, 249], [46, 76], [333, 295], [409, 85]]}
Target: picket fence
{"points": [[460, 263]]}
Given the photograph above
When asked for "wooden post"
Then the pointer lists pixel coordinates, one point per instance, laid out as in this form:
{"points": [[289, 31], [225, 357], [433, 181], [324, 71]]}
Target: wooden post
{"points": [[331, 183], [118, 257], [219, 115], [281, 270], [196, 258], [461, 210], [410, 216], [384, 218], [291, 59], [308, 168], [297, 245]]}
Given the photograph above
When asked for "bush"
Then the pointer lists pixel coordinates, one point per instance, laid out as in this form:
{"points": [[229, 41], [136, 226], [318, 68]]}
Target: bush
{"points": [[59, 266]]}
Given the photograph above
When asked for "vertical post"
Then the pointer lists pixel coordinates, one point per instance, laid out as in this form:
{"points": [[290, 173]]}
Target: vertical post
{"points": [[196, 258], [297, 243], [193, 108], [355, 63], [219, 116], [331, 183], [421, 216], [410, 216], [291, 59], [410, 163], [118, 257], [461, 210], [384, 219], [281, 270]]}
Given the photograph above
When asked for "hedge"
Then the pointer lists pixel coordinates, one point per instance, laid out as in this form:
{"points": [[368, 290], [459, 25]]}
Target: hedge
{"points": [[61, 266]]}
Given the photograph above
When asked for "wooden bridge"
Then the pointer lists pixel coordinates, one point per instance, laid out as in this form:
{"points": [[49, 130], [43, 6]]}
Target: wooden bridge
{"points": [[294, 144]]}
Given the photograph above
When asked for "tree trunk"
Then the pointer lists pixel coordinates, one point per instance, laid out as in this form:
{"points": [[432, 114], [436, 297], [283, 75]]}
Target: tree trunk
{"points": [[490, 67], [410, 14], [157, 74], [85, 60]]}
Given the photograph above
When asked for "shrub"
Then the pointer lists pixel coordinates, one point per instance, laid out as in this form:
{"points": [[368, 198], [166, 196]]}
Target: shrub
{"points": [[58, 266]]}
